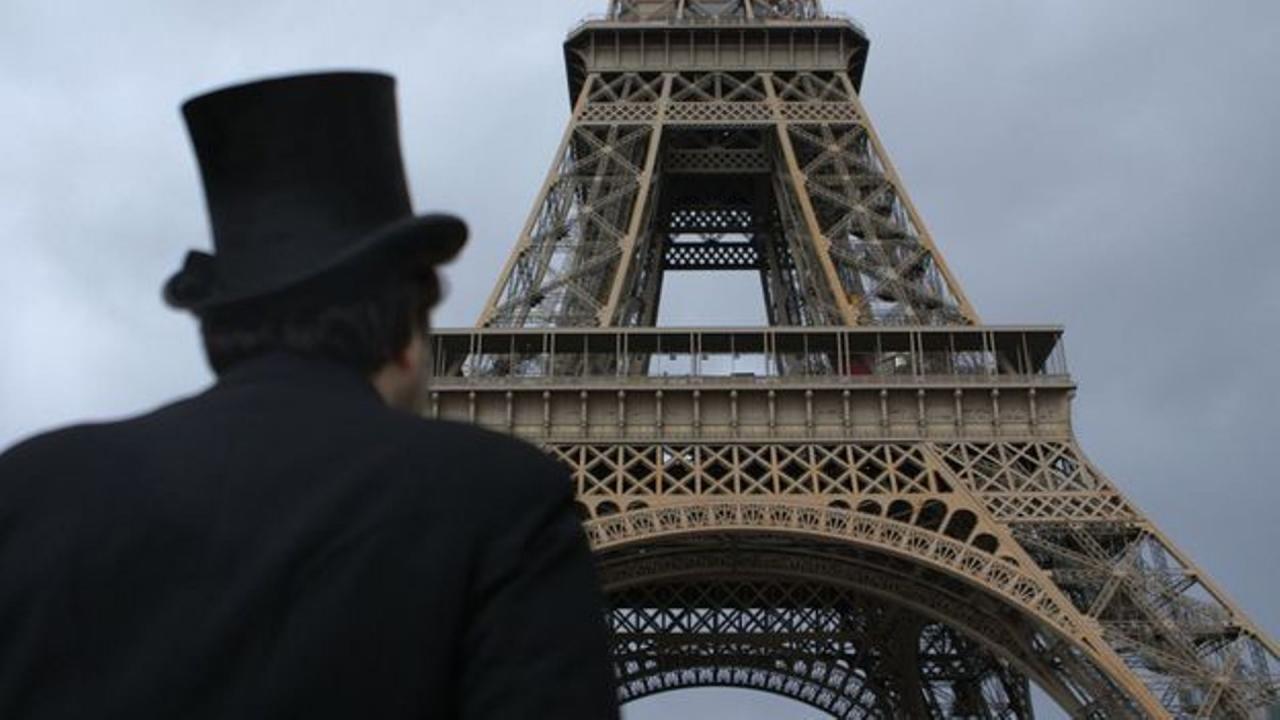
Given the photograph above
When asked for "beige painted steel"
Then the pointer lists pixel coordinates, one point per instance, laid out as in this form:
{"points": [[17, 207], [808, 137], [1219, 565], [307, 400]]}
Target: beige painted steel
{"points": [[643, 197], [884, 244], [524, 244], [814, 232], [917, 219], [999, 432], [907, 434]]}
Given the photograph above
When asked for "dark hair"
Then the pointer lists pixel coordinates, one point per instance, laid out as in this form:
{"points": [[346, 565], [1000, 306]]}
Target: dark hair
{"points": [[360, 316]]}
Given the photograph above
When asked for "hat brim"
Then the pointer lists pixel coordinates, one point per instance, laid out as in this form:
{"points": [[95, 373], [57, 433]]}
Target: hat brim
{"points": [[432, 238]]}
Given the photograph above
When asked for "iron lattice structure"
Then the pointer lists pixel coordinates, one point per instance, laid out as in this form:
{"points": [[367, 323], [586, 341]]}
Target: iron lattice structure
{"points": [[876, 505]]}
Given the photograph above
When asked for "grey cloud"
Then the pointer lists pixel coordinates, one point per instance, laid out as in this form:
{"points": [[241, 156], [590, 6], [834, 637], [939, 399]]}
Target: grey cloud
{"points": [[1109, 166]]}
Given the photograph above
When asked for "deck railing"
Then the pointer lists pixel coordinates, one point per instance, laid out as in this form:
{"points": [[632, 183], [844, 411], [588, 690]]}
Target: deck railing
{"points": [[746, 355], [713, 20]]}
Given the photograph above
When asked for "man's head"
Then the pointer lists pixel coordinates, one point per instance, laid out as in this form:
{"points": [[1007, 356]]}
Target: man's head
{"points": [[370, 317]]}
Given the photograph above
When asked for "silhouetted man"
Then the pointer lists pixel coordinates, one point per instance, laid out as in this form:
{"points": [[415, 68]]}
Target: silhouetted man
{"points": [[295, 542]]}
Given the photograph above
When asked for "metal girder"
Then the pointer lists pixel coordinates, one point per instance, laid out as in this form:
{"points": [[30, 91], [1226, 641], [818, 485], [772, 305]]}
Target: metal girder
{"points": [[718, 10], [712, 255], [852, 633], [835, 207], [878, 508]]}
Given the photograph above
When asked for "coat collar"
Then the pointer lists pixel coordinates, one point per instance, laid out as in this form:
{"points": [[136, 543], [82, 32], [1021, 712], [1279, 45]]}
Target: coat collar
{"points": [[283, 368]]}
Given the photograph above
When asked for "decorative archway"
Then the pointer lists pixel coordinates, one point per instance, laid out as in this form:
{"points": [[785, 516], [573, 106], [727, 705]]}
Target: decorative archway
{"points": [[797, 600], [829, 647]]}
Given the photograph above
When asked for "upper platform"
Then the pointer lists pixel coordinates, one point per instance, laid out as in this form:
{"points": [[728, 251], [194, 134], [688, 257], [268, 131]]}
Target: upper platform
{"points": [[714, 35], [804, 384], [695, 10], [717, 12]]}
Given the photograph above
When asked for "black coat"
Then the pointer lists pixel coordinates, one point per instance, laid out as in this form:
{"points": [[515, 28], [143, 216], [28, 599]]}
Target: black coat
{"points": [[286, 546]]}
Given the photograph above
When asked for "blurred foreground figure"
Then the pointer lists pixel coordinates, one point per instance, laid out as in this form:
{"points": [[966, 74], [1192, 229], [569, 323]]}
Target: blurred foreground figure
{"points": [[295, 542]]}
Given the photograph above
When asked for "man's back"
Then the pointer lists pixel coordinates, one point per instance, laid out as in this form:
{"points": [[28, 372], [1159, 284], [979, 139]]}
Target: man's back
{"points": [[285, 545]]}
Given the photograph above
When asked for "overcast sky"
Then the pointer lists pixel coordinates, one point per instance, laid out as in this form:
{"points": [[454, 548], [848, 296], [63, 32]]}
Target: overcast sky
{"points": [[1112, 166]]}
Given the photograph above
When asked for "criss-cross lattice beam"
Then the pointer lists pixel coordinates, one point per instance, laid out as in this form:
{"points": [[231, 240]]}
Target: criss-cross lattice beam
{"points": [[583, 229], [1192, 648], [874, 633], [845, 654], [843, 220]]}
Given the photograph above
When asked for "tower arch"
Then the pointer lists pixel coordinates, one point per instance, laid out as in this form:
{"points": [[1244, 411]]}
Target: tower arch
{"points": [[796, 608]]}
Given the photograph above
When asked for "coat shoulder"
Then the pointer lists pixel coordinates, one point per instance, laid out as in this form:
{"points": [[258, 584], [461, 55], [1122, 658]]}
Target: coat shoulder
{"points": [[61, 444], [90, 443], [475, 458]]}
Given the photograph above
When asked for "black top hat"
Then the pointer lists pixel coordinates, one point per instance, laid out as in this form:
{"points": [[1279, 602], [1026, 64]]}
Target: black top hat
{"points": [[301, 174]]}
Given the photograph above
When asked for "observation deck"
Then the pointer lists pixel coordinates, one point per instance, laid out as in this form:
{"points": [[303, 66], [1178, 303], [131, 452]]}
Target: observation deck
{"points": [[744, 383], [715, 35]]}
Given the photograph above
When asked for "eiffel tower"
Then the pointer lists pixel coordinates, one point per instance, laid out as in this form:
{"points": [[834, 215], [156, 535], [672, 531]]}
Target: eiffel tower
{"points": [[876, 505]]}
